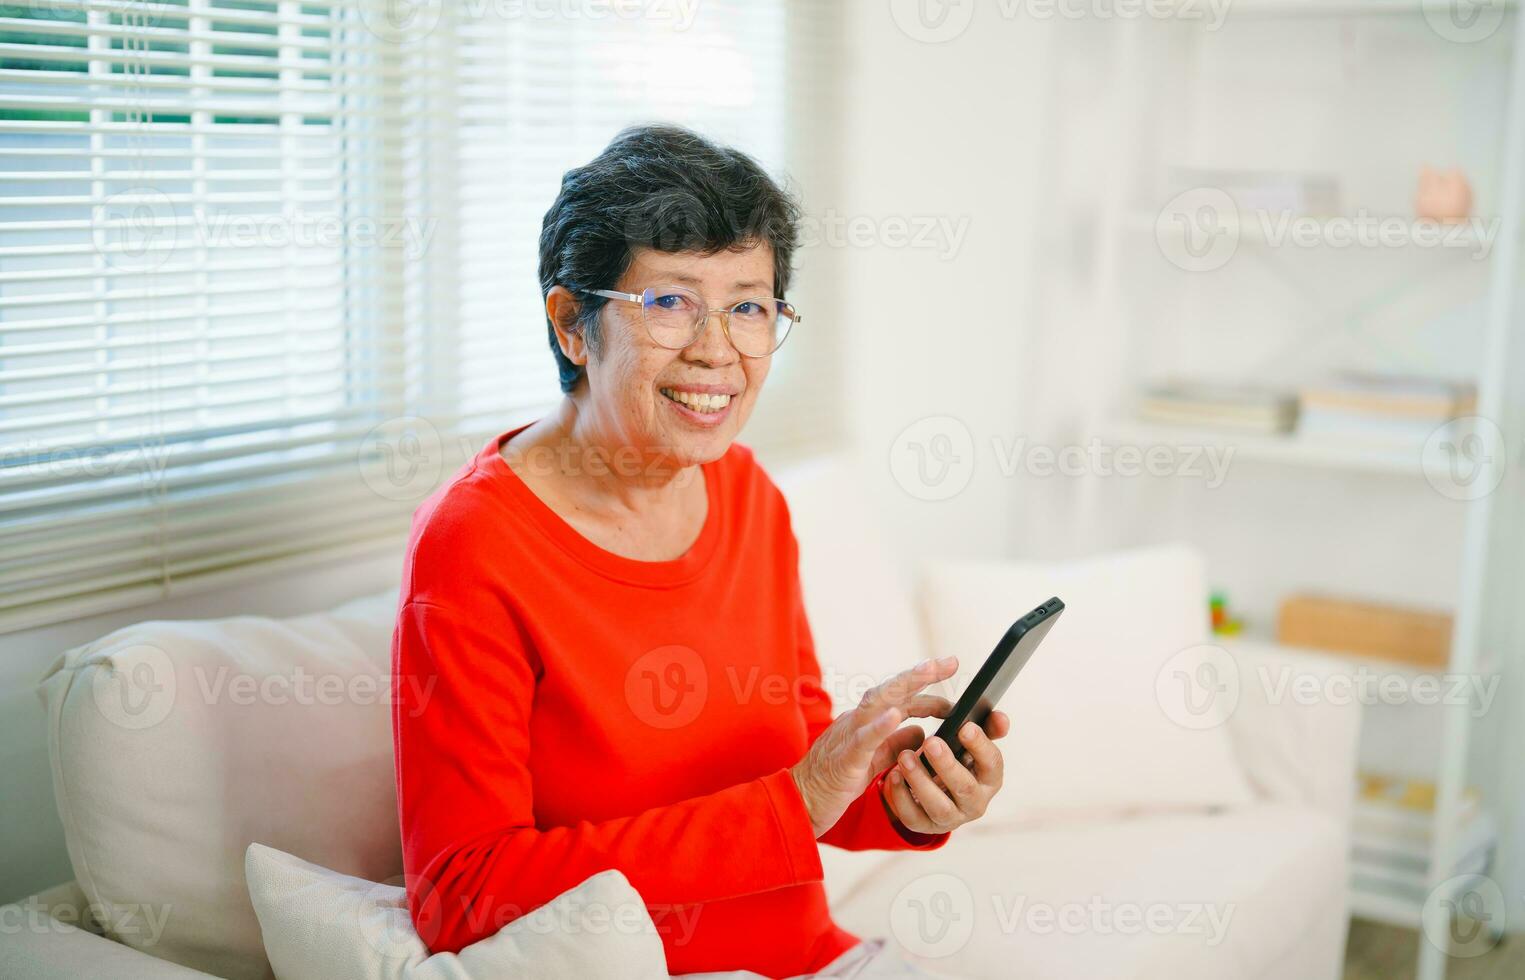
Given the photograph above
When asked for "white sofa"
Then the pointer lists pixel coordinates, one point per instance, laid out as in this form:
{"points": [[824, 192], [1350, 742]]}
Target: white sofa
{"points": [[161, 796]]}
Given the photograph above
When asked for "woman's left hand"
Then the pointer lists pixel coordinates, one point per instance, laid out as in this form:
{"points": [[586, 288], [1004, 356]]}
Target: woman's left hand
{"points": [[959, 794]]}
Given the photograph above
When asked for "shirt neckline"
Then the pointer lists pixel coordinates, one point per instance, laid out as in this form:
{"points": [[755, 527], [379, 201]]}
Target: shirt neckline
{"points": [[634, 571]]}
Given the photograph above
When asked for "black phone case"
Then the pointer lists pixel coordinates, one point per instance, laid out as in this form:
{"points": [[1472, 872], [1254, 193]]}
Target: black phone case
{"points": [[980, 697]]}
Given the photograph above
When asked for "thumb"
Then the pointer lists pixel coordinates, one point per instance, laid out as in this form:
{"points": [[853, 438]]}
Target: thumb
{"points": [[909, 737]]}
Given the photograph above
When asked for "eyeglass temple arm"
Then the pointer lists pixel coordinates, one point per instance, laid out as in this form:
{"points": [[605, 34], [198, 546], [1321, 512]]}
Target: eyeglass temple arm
{"points": [[614, 294]]}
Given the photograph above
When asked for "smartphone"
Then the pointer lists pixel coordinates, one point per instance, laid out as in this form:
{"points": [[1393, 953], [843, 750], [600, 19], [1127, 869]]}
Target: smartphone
{"points": [[995, 676]]}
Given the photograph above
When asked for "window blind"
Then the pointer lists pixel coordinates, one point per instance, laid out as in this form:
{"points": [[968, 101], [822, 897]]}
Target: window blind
{"points": [[268, 267], [549, 93]]}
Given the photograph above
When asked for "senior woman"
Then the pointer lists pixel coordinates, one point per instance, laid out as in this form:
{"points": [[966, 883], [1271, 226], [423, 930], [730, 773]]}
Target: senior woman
{"points": [[601, 648]]}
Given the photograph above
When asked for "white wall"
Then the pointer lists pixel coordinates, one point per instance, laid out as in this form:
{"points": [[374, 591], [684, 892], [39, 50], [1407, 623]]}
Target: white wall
{"points": [[943, 136]]}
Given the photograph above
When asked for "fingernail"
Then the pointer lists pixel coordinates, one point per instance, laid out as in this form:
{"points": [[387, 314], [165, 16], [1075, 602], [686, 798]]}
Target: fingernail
{"points": [[947, 661], [968, 730], [923, 665]]}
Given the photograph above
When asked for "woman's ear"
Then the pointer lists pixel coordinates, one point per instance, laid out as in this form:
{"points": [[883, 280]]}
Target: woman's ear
{"points": [[561, 308]]}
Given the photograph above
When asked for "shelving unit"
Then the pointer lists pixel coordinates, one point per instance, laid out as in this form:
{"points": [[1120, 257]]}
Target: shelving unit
{"points": [[1126, 304], [1321, 452], [1377, 665], [1348, 8], [1457, 240]]}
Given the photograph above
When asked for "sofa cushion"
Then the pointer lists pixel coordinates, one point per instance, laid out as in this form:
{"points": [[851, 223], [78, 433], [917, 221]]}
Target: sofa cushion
{"points": [[1098, 720], [175, 744], [52, 936], [319, 924], [858, 599], [1183, 896]]}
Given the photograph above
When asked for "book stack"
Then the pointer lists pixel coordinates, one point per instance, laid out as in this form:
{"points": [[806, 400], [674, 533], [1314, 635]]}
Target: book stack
{"points": [[1391, 830], [1220, 406], [1382, 407]]}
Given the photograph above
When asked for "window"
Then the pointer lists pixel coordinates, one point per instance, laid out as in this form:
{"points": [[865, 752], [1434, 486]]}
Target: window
{"points": [[268, 267]]}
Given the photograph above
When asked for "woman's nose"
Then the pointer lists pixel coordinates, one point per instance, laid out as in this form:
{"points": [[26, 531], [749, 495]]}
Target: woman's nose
{"points": [[712, 344]]}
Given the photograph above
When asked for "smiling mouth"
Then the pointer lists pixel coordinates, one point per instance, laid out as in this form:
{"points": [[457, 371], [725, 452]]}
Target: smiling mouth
{"points": [[703, 404]]}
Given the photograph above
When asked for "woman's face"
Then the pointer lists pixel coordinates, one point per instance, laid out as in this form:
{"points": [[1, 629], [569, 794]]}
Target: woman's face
{"points": [[627, 380]]}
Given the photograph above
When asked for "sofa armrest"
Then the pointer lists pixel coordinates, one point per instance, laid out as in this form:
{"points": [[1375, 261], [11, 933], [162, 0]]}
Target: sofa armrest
{"points": [[1295, 732], [39, 940]]}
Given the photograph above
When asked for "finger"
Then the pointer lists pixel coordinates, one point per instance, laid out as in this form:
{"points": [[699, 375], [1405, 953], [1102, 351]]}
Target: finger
{"points": [[998, 725], [867, 737], [900, 688], [928, 706], [907, 810], [935, 802], [958, 782], [909, 738], [988, 763]]}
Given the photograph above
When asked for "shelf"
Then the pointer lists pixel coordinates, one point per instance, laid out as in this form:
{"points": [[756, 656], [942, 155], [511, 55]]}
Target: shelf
{"points": [[1393, 891], [1380, 858], [1253, 640], [1485, 667], [1343, 232], [1394, 902], [1374, 905], [1340, 8], [1320, 452]]}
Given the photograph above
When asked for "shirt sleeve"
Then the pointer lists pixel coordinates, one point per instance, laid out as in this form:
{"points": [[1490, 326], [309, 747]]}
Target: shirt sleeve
{"points": [[472, 856], [869, 824]]}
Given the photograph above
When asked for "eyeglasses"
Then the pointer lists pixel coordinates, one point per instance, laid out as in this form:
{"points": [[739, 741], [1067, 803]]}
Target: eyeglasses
{"points": [[675, 316]]}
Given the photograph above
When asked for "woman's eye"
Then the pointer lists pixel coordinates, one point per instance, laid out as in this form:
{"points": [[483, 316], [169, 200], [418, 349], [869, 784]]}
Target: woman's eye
{"points": [[670, 302], [748, 309]]}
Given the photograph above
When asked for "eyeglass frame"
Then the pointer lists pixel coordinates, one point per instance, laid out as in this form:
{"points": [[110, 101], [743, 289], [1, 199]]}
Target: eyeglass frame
{"points": [[699, 324]]}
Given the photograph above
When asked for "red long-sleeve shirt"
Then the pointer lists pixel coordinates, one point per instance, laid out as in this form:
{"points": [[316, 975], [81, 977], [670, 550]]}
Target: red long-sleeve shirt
{"points": [[561, 710]]}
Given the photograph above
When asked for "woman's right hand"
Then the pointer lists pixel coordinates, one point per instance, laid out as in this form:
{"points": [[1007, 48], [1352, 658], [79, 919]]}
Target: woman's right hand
{"points": [[862, 742]]}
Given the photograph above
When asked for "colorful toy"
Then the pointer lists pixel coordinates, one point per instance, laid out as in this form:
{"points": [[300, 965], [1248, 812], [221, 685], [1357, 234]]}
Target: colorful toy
{"points": [[1222, 624]]}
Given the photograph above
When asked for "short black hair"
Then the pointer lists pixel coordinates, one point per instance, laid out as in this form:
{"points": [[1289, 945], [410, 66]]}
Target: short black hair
{"points": [[662, 187]]}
